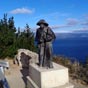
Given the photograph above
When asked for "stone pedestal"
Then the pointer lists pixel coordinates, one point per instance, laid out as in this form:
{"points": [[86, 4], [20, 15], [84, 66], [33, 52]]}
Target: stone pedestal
{"points": [[56, 77]]}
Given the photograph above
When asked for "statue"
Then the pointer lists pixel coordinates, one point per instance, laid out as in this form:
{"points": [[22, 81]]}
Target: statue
{"points": [[44, 38]]}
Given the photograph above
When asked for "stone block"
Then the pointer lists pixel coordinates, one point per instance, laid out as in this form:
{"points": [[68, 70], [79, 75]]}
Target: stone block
{"points": [[56, 77]]}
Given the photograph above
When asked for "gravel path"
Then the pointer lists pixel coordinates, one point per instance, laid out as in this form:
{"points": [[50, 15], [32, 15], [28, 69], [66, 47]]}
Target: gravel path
{"points": [[16, 76]]}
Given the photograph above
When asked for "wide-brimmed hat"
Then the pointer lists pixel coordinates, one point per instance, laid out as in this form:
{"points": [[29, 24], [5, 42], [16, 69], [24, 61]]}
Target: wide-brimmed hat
{"points": [[42, 21]]}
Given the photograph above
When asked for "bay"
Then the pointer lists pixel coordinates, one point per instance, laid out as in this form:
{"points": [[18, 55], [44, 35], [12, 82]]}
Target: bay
{"points": [[72, 46]]}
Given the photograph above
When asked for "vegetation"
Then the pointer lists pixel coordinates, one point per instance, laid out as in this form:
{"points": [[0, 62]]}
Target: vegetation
{"points": [[78, 71], [11, 40]]}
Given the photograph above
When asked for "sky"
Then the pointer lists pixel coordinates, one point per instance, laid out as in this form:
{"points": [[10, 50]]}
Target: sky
{"points": [[62, 15]]}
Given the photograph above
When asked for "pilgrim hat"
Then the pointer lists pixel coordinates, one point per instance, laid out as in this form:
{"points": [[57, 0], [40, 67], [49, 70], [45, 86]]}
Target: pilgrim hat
{"points": [[42, 21]]}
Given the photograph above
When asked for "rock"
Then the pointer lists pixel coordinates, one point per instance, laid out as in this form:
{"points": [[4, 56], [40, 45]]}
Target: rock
{"points": [[24, 57]]}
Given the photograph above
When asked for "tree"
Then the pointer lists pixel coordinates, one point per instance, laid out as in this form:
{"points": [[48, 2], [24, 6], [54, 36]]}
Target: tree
{"points": [[11, 41], [7, 36], [25, 39]]}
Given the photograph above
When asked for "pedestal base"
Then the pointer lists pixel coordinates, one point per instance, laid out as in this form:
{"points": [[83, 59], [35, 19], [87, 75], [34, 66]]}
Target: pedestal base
{"points": [[31, 84], [56, 77]]}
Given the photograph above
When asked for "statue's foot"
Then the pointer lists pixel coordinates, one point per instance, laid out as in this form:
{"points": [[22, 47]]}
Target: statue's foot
{"points": [[51, 67], [40, 65]]}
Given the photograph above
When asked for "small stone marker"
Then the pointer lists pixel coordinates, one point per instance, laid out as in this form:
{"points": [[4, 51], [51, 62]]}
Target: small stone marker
{"points": [[4, 64], [2, 73]]}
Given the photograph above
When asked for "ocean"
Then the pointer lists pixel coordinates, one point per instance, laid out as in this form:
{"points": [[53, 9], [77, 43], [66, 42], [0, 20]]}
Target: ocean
{"points": [[73, 46]]}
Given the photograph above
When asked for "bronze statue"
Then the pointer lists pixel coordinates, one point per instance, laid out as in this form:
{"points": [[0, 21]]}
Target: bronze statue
{"points": [[44, 38]]}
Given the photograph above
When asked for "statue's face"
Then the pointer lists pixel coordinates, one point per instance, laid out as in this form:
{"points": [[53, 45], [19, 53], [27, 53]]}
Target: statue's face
{"points": [[42, 26]]}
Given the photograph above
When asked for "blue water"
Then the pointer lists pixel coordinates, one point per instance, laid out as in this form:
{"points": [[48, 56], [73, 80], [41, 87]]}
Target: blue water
{"points": [[72, 47]]}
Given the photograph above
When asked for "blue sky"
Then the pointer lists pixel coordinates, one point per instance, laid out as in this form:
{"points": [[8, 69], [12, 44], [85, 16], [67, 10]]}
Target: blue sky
{"points": [[62, 15]]}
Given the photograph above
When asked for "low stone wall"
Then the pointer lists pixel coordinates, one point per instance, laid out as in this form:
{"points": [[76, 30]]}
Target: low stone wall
{"points": [[24, 57]]}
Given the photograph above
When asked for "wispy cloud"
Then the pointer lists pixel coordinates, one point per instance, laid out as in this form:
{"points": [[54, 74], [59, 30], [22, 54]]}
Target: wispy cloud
{"points": [[86, 16], [72, 21], [85, 23], [22, 11], [59, 26], [85, 20], [53, 27]]}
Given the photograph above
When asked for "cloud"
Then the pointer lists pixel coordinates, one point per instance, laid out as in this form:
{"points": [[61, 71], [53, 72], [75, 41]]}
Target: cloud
{"points": [[52, 27], [21, 11], [72, 21], [86, 16], [59, 26], [85, 20], [85, 23]]}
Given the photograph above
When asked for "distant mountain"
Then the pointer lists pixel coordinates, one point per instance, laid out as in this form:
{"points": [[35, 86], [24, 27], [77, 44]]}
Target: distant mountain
{"points": [[73, 34], [80, 31]]}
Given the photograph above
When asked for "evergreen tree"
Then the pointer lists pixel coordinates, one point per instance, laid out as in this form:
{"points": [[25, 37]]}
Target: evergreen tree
{"points": [[25, 39], [11, 41], [7, 36]]}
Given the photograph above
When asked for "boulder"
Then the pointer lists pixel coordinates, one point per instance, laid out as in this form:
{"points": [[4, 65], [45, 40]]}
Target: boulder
{"points": [[24, 57]]}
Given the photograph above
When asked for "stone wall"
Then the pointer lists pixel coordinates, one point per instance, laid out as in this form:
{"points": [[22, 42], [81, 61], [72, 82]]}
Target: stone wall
{"points": [[24, 57]]}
